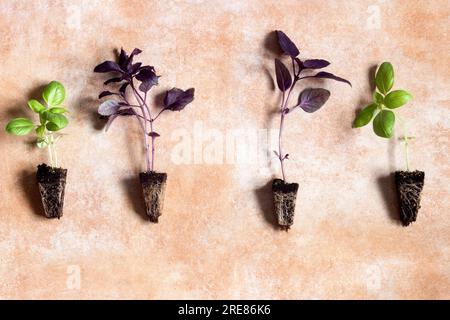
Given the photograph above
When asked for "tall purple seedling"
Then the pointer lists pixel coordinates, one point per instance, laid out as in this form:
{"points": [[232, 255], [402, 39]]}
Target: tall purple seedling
{"points": [[126, 72], [310, 99]]}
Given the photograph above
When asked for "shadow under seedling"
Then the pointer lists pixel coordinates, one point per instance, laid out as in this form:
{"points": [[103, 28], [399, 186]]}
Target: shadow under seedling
{"points": [[51, 179], [409, 184], [310, 100], [127, 75]]}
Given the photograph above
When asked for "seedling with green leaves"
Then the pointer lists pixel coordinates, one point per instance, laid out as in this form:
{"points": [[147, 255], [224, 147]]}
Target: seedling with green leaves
{"points": [[51, 120], [382, 110]]}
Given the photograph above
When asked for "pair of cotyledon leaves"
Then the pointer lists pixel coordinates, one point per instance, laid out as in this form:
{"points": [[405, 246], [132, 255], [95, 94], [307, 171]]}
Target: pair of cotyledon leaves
{"points": [[51, 117], [311, 99], [175, 99], [384, 101]]}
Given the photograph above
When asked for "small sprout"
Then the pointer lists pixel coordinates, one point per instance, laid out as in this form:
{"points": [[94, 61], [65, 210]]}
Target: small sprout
{"points": [[51, 120]]}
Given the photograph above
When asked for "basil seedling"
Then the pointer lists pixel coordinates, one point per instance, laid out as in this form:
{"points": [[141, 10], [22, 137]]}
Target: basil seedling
{"points": [[52, 119], [310, 100], [133, 80], [383, 110]]}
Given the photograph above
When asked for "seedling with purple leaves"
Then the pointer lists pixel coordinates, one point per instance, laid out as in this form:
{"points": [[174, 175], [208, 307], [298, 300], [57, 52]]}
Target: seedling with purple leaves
{"points": [[136, 79], [310, 100], [51, 179], [409, 183]]}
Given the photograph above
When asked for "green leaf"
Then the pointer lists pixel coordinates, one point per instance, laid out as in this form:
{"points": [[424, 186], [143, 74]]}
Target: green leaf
{"points": [[378, 97], [384, 79], [397, 99], [57, 119], [383, 124], [365, 115], [19, 126], [40, 131], [58, 110], [43, 117], [42, 143], [52, 127], [35, 105], [54, 94]]}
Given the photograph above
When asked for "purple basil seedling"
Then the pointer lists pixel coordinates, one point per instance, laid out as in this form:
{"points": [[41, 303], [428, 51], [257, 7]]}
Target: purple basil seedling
{"points": [[135, 79], [310, 100], [382, 110]]}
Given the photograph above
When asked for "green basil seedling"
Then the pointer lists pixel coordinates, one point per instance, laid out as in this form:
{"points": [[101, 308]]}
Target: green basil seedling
{"points": [[383, 110], [51, 120]]}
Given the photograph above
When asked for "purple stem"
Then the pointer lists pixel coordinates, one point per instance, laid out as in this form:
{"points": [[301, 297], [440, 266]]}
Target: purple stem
{"points": [[144, 113], [283, 107]]}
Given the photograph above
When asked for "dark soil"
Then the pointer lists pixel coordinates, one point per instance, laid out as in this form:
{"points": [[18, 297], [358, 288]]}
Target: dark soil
{"points": [[284, 197], [52, 184], [153, 187], [409, 187]]}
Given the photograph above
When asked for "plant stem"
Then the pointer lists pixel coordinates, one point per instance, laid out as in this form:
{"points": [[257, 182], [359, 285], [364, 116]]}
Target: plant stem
{"points": [[280, 151], [144, 113], [406, 138], [50, 155], [284, 105]]}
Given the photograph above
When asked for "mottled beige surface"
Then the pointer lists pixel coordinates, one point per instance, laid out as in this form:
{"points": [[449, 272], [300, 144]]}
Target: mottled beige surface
{"points": [[215, 239]]}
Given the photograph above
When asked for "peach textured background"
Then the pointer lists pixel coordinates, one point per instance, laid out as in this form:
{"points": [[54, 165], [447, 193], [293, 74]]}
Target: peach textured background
{"points": [[215, 239]]}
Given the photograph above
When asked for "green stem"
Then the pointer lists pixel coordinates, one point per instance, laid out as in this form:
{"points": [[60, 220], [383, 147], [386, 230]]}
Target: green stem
{"points": [[50, 155], [52, 151], [406, 138]]}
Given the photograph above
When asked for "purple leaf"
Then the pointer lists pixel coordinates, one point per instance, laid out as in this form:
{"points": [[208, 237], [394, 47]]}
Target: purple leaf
{"points": [[148, 78], [135, 67], [123, 57], [108, 108], [286, 45], [327, 75], [284, 79], [112, 80], [315, 64], [176, 99], [135, 52], [105, 94], [128, 65], [123, 88], [108, 66], [312, 100], [154, 134]]}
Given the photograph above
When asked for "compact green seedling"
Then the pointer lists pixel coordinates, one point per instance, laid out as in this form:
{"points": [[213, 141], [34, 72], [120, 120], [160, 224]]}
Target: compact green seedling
{"points": [[383, 111], [50, 121]]}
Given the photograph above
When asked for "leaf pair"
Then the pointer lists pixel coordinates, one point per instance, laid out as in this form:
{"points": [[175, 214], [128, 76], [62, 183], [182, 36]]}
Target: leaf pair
{"points": [[384, 101]]}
